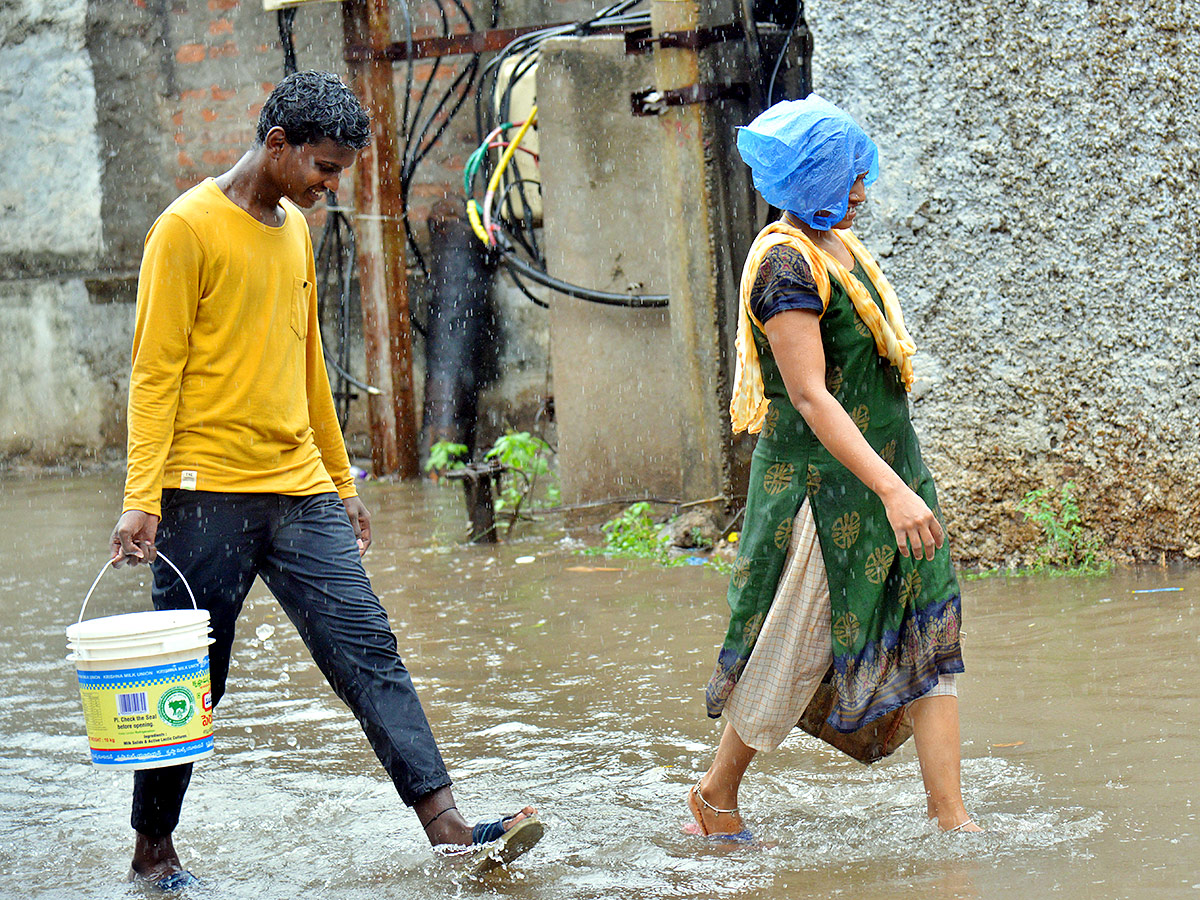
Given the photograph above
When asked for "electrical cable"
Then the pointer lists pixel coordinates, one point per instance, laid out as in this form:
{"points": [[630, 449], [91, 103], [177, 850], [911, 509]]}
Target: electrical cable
{"points": [[783, 53], [285, 19], [520, 286], [806, 56], [643, 301], [505, 159], [335, 258], [503, 222], [420, 132]]}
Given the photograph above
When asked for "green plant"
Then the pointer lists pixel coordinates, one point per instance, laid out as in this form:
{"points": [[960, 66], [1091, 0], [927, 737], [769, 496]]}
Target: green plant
{"points": [[721, 566], [632, 533], [1069, 548], [699, 539], [445, 456], [526, 460]]}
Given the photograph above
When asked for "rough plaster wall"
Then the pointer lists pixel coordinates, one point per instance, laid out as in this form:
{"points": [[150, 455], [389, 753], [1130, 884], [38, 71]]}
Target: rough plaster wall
{"points": [[1032, 211], [133, 70], [63, 359], [51, 396], [50, 203]]}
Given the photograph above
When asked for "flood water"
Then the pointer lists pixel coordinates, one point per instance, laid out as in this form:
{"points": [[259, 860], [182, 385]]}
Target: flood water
{"points": [[582, 692]]}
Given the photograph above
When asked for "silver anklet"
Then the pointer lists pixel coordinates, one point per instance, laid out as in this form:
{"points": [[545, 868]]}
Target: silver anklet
{"points": [[715, 809]]}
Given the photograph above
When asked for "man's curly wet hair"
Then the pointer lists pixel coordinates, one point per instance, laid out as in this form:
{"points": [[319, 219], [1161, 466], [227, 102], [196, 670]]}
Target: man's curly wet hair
{"points": [[312, 106]]}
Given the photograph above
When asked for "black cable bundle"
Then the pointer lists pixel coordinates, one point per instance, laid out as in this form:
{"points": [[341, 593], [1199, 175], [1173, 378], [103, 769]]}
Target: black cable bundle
{"points": [[517, 237]]}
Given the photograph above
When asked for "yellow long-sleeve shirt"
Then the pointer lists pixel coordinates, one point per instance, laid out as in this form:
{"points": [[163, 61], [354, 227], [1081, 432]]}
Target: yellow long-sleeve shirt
{"points": [[229, 390]]}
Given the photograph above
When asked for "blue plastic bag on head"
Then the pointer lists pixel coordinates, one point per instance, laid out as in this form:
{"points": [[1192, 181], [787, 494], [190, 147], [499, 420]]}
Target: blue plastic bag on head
{"points": [[805, 156]]}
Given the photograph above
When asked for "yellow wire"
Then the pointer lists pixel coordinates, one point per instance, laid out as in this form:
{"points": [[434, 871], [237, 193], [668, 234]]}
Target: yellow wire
{"points": [[511, 149], [476, 222]]}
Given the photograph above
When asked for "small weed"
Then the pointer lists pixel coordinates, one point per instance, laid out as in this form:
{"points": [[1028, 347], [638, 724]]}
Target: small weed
{"points": [[633, 534], [699, 539], [721, 566], [1068, 548], [526, 460], [445, 456]]}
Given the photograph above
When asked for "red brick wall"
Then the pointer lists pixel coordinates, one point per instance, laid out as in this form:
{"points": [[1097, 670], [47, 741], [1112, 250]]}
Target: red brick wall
{"points": [[228, 57]]}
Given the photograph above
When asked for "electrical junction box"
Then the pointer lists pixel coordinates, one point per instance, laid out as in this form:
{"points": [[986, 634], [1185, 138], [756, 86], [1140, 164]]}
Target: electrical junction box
{"points": [[521, 99], [270, 5]]}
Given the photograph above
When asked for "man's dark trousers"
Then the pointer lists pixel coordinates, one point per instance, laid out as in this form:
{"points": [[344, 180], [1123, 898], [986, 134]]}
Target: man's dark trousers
{"points": [[305, 551]]}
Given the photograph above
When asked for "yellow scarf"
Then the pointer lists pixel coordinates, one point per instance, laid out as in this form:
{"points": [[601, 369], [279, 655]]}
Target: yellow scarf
{"points": [[748, 407]]}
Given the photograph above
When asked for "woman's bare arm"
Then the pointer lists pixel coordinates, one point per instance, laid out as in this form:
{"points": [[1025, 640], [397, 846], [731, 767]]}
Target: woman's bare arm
{"points": [[795, 337]]}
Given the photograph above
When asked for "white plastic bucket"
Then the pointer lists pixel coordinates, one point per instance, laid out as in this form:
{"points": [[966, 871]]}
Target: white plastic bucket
{"points": [[144, 681]]}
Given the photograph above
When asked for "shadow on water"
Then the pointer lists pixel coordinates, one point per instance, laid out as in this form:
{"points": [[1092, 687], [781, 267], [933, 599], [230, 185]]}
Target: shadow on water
{"points": [[581, 692]]}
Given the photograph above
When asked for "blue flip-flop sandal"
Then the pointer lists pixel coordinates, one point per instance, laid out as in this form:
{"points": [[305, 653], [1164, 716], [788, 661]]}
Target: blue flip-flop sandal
{"points": [[492, 846], [176, 881]]}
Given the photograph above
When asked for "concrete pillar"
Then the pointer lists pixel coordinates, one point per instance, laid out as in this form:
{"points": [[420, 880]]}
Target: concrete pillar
{"points": [[705, 210], [616, 380]]}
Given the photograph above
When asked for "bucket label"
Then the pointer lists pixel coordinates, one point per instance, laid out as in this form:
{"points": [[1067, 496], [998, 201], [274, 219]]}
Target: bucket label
{"points": [[148, 715]]}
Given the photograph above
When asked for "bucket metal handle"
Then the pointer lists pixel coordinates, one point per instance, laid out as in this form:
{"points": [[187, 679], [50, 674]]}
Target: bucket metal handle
{"points": [[108, 565]]}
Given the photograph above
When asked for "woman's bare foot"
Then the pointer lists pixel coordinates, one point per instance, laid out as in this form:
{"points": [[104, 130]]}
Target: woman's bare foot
{"points": [[957, 821]]}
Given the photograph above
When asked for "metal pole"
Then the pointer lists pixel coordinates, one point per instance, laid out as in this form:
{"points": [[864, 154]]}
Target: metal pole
{"points": [[382, 267]]}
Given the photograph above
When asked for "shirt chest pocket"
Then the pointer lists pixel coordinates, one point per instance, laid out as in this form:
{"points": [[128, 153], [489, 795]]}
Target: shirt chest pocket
{"points": [[298, 312]]}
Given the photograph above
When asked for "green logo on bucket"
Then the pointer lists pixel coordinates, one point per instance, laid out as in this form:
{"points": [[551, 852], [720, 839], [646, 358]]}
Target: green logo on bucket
{"points": [[177, 706]]}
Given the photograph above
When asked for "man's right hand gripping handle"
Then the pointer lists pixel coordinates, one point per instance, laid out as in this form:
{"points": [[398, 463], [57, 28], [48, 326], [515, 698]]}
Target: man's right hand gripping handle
{"points": [[133, 538]]}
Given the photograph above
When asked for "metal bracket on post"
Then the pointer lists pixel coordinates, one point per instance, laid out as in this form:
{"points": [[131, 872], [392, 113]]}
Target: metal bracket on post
{"points": [[653, 102], [640, 40]]}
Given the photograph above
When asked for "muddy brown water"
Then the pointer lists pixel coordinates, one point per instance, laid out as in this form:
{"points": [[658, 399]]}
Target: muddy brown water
{"points": [[581, 692]]}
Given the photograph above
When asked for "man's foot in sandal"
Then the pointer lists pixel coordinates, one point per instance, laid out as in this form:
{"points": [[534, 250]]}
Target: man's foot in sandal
{"points": [[156, 863], [715, 822], [497, 842], [487, 844]]}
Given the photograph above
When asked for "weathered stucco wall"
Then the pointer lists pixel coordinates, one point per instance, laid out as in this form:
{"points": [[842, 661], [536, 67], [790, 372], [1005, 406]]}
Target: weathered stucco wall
{"points": [[1034, 211], [50, 223], [613, 367], [48, 124]]}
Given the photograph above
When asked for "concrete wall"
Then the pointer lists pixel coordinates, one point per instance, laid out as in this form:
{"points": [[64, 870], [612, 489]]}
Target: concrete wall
{"points": [[50, 219], [1034, 212]]}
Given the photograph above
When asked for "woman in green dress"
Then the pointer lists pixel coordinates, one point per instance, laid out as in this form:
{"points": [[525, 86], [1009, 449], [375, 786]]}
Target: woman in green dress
{"points": [[842, 573]]}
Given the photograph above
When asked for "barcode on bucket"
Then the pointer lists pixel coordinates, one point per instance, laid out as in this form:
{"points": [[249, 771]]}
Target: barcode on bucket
{"points": [[127, 704]]}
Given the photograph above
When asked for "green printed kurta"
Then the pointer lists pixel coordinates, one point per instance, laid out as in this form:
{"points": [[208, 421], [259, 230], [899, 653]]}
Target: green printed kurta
{"points": [[895, 620]]}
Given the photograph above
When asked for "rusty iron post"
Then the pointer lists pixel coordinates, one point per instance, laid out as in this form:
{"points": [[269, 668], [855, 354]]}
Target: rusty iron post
{"points": [[382, 267]]}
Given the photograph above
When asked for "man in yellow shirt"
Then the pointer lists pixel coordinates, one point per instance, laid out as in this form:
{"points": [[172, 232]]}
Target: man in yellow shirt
{"points": [[237, 467]]}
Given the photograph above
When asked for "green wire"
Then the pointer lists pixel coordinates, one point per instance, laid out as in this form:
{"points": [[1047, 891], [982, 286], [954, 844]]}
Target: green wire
{"points": [[475, 160]]}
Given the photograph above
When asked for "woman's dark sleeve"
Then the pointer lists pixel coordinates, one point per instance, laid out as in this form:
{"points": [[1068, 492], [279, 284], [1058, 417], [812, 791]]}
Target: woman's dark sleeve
{"points": [[783, 282]]}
